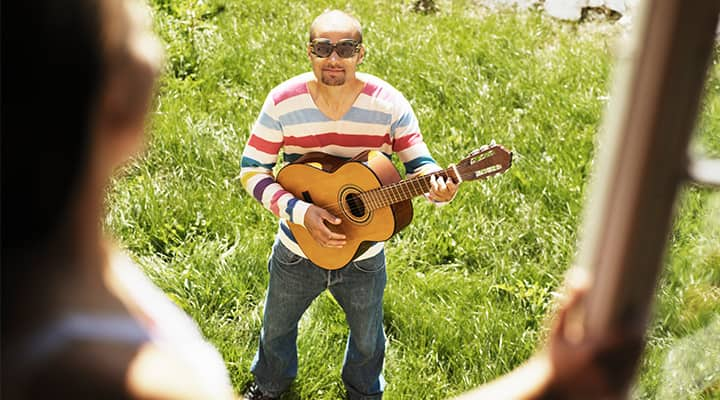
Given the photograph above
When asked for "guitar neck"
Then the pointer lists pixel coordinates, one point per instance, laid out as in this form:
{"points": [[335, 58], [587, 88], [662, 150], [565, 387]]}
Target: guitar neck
{"points": [[480, 164], [403, 190]]}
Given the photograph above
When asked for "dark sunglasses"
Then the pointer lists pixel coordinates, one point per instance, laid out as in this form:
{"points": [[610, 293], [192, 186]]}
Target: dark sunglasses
{"points": [[345, 48]]}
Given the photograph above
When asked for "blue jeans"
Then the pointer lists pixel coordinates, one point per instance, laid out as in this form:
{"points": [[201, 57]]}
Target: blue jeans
{"points": [[294, 283]]}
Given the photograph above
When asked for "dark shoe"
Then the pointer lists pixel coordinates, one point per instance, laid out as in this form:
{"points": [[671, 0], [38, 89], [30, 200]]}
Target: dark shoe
{"points": [[254, 392]]}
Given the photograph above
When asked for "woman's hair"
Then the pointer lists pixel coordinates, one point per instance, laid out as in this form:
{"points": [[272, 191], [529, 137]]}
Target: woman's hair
{"points": [[52, 72]]}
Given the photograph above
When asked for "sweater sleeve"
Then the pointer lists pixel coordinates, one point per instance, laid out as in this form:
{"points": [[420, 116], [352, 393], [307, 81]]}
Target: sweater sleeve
{"points": [[258, 160], [409, 145], [408, 141]]}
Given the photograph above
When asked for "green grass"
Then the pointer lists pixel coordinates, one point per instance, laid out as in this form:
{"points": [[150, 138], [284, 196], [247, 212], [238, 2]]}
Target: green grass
{"points": [[470, 284]]}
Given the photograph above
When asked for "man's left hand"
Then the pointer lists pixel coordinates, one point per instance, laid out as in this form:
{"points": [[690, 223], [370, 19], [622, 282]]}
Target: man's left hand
{"points": [[441, 190]]}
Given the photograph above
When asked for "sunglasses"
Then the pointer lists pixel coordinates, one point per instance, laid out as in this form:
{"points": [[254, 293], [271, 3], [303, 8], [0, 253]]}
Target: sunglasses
{"points": [[345, 48]]}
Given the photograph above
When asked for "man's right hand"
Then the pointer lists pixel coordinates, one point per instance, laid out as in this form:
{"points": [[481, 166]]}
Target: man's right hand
{"points": [[315, 218]]}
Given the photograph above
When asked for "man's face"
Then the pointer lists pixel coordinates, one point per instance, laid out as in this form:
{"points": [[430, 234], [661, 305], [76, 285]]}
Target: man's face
{"points": [[334, 70]]}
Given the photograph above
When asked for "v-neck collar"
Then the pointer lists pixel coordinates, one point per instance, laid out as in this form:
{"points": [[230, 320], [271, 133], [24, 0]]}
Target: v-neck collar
{"points": [[345, 113]]}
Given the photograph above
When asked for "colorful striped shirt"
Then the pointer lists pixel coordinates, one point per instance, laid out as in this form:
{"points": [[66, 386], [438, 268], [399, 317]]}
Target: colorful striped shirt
{"points": [[290, 121]]}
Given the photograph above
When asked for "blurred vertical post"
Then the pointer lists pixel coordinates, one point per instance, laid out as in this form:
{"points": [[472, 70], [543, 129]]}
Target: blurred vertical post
{"points": [[643, 159]]}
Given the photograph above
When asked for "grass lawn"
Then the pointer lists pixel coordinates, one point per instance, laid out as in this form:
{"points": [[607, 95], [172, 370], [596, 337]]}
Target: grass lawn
{"points": [[470, 285]]}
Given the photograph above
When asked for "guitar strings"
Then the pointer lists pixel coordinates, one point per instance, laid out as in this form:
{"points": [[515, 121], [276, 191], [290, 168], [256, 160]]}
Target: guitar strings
{"points": [[386, 195]]}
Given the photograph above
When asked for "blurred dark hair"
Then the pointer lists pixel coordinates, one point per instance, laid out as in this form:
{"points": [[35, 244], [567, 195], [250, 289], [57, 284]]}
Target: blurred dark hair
{"points": [[51, 76]]}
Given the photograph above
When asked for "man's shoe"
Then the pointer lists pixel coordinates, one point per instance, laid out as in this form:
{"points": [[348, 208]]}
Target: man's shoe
{"points": [[254, 392]]}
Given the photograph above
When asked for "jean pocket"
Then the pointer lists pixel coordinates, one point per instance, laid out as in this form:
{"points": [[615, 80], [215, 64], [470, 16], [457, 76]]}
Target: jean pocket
{"points": [[373, 264], [284, 256]]}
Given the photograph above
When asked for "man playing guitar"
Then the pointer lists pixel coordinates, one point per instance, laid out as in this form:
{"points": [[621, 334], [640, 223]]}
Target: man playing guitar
{"points": [[337, 111]]}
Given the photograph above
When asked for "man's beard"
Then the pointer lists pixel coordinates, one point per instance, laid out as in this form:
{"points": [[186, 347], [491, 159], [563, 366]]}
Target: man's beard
{"points": [[339, 81], [330, 80]]}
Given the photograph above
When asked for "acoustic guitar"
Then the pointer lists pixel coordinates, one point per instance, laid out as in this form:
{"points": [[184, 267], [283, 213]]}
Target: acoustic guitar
{"points": [[368, 195]]}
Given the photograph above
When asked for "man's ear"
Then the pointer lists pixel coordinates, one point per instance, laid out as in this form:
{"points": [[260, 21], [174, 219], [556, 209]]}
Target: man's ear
{"points": [[361, 55]]}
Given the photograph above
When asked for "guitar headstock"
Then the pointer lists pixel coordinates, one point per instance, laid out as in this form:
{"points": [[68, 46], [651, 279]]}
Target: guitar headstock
{"points": [[485, 162]]}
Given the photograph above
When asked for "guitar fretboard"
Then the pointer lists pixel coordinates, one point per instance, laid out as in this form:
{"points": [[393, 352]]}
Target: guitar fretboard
{"points": [[403, 190]]}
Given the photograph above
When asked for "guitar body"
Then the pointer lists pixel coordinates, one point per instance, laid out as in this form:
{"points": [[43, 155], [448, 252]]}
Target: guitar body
{"points": [[334, 184], [369, 197]]}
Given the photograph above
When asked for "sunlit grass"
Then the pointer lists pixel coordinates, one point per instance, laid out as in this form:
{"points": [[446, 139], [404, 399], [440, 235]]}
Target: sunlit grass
{"points": [[470, 283]]}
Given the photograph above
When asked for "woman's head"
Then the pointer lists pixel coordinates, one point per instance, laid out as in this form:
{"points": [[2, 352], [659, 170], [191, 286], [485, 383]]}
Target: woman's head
{"points": [[72, 74]]}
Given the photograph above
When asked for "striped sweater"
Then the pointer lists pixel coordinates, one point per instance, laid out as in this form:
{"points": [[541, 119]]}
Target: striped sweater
{"points": [[379, 119]]}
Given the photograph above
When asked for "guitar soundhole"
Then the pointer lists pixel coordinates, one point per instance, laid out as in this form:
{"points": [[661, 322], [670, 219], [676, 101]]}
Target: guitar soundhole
{"points": [[355, 205]]}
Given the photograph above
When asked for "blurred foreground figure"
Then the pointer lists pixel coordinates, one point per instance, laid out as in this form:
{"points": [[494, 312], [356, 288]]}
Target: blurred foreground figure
{"points": [[642, 166], [79, 320]]}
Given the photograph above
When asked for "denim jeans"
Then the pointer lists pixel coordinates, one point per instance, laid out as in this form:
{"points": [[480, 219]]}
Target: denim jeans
{"points": [[294, 283]]}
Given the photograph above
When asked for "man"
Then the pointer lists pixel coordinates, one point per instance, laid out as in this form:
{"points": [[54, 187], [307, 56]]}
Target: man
{"points": [[338, 111]]}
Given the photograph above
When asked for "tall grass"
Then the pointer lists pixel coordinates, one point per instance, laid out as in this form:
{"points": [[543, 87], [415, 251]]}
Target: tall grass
{"points": [[470, 284]]}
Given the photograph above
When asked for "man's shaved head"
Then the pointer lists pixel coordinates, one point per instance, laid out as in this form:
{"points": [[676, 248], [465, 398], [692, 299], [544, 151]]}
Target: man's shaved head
{"points": [[337, 21]]}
